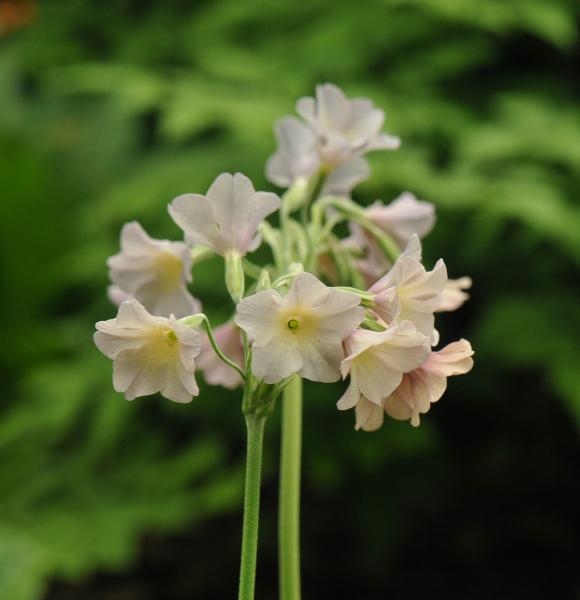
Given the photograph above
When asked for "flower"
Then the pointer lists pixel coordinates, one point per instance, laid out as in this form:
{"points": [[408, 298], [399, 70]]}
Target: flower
{"points": [[377, 360], [425, 385], [301, 332], [296, 155], [155, 272], [227, 218], [214, 370], [453, 295], [344, 128], [403, 217], [408, 292], [150, 354]]}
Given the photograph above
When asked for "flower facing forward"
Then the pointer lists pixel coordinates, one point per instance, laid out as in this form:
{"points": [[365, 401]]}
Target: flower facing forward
{"points": [[376, 361], [150, 354], [301, 332], [227, 218], [155, 272], [408, 292], [215, 371], [403, 217]]}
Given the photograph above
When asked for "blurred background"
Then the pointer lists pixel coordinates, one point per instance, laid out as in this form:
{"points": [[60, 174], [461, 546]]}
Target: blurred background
{"points": [[110, 109]]}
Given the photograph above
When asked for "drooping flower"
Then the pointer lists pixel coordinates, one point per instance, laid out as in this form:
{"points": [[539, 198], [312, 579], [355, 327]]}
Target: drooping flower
{"points": [[425, 385], [155, 272], [453, 295], [301, 332], [150, 354], [215, 371], [344, 128], [376, 361], [408, 292], [403, 217], [227, 218]]}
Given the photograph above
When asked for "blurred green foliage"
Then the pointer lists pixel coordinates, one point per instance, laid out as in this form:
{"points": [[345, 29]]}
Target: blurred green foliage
{"points": [[109, 110]]}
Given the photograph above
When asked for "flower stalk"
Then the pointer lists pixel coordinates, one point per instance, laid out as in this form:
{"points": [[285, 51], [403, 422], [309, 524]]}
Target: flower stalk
{"points": [[289, 498], [255, 423]]}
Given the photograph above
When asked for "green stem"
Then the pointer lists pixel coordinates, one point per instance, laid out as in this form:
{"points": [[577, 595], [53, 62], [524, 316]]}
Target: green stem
{"points": [[255, 428], [218, 351], [289, 499]]}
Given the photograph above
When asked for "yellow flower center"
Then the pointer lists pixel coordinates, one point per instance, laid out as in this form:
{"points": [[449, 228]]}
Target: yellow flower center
{"points": [[298, 321], [169, 268]]}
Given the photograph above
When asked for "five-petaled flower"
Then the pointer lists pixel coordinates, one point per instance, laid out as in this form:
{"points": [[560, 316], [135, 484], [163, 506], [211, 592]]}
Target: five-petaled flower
{"points": [[300, 332], [155, 272], [227, 218], [150, 354]]}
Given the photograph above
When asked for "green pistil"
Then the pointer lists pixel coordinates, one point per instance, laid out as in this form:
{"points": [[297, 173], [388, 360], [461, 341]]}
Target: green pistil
{"points": [[293, 324]]}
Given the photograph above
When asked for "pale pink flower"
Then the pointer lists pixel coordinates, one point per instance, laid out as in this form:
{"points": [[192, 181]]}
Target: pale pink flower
{"points": [[425, 385], [376, 361], [344, 128], [296, 155], [301, 332], [155, 272], [215, 371], [150, 354], [403, 217], [408, 292], [227, 218]]}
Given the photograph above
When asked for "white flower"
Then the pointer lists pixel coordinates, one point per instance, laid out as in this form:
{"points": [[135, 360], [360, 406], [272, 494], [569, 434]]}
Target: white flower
{"points": [[227, 218], [376, 361], [150, 354], [296, 155], [155, 272], [215, 371], [453, 295], [403, 217], [344, 128], [425, 385], [408, 292], [301, 332]]}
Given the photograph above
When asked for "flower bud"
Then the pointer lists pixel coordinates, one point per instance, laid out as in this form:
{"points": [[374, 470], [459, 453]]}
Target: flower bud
{"points": [[264, 281]]}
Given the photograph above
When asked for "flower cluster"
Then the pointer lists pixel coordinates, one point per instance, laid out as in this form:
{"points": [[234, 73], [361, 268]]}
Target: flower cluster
{"points": [[360, 308]]}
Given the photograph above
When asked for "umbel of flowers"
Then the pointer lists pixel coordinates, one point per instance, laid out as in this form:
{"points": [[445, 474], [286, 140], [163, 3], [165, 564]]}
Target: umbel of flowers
{"points": [[359, 308]]}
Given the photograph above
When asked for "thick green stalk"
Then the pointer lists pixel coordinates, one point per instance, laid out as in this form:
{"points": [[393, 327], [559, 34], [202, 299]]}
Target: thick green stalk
{"points": [[289, 500], [255, 428]]}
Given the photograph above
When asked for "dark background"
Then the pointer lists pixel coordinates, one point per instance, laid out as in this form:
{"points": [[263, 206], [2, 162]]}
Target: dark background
{"points": [[110, 109]]}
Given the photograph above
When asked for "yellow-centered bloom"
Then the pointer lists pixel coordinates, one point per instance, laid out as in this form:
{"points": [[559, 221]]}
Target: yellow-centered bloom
{"points": [[150, 354], [155, 272], [301, 332]]}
